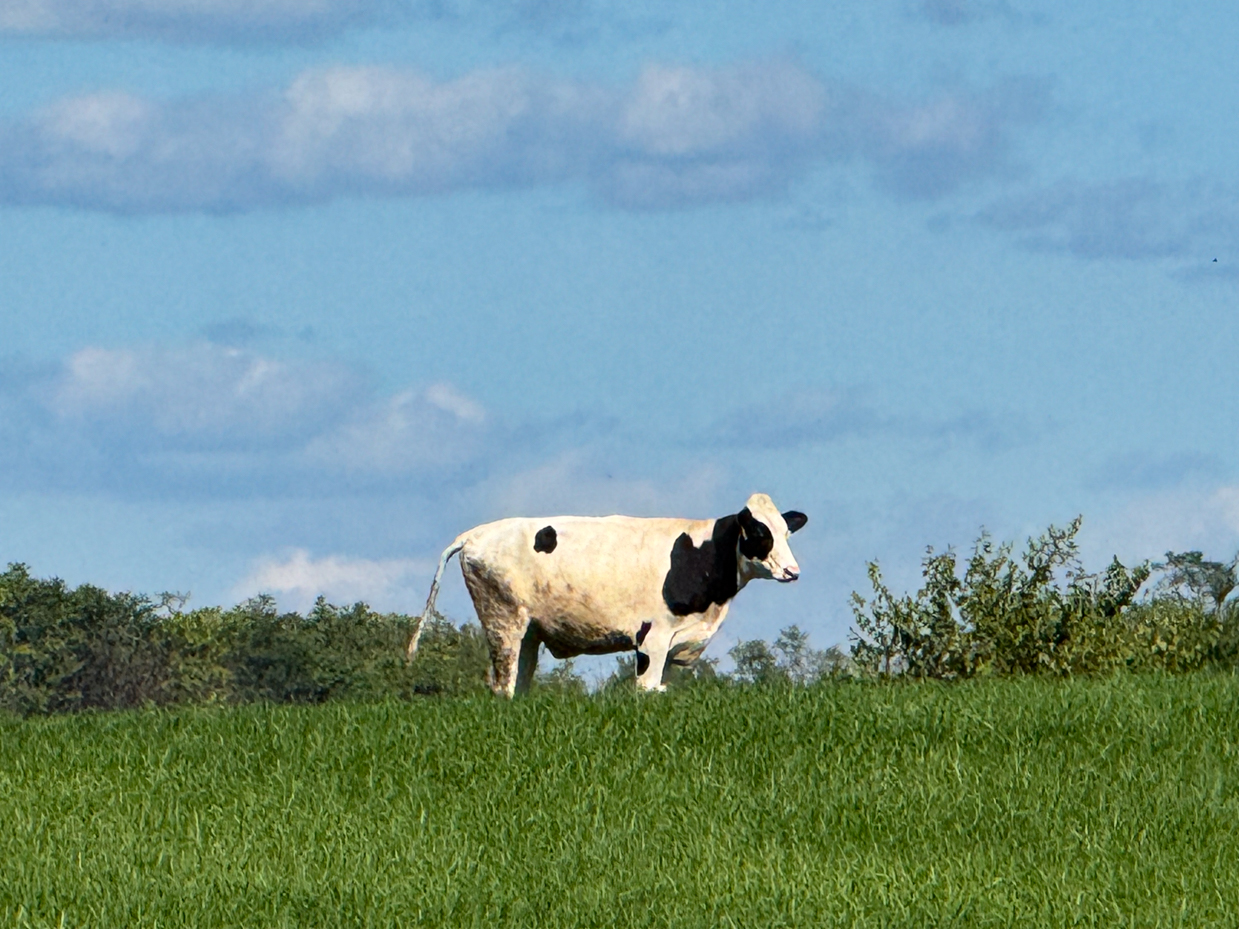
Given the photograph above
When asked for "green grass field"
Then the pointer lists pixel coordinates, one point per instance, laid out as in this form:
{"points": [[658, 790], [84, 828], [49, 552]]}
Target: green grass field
{"points": [[997, 803]]}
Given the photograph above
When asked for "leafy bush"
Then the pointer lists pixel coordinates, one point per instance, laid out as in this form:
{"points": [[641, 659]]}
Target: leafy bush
{"points": [[450, 660], [332, 652], [790, 660], [563, 679], [1042, 613], [63, 650], [1188, 575]]}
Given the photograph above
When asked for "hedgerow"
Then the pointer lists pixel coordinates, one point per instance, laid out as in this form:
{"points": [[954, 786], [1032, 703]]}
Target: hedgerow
{"points": [[1039, 613]]}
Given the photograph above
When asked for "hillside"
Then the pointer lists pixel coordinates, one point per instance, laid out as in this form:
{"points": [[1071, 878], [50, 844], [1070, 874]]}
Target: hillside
{"points": [[1019, 802]]}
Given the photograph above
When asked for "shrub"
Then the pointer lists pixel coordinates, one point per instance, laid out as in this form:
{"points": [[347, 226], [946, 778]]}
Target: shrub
{"points": [[63, 650], [1040, 613], [450, 659]]}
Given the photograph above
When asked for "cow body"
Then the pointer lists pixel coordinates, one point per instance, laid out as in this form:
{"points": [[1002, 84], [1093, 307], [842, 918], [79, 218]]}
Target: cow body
{"points": [[597, 585]]}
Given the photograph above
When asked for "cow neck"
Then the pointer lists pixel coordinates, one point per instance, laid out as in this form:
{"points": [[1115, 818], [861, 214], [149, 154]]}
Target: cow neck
{"points": [[701, 577]]}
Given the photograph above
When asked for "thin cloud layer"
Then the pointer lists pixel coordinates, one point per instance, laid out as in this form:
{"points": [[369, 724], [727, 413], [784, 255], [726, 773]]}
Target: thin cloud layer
{"points": [[962, 12], [1134, 219], [204, 419], [677, 137], [931, 148], [192, 20], [296, 21], [803, 417], [584, 481], [808, 417]]}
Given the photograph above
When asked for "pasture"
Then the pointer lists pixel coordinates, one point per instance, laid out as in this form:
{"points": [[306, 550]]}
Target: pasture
{"points": [[1019, 802]]}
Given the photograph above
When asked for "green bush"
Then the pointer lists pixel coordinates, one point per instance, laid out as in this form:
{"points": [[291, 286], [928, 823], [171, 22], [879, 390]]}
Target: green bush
{"points": [[63, 649], [1042, 613], [67, 649], [450, 660]]}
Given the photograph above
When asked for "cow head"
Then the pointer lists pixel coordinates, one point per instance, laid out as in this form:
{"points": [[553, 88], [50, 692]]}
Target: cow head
{"points": [[763, 547]]}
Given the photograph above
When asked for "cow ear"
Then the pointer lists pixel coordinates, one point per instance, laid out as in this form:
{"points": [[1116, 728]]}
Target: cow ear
{"points": [[745, 517], [795, 520]]}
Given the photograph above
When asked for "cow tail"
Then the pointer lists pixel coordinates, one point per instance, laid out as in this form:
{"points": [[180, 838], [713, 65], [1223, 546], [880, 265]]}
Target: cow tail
{"points": [[448, 552]]}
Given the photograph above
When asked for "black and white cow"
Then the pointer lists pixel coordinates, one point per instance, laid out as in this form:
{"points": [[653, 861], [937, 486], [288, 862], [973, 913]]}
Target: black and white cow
{"points": [[589, 585]]}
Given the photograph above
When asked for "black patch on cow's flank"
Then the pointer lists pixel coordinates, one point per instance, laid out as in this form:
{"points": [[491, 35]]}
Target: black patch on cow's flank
{"points": [[703, 576], [545, 540], [643, 632], [643, 663], [756, 539], [795, 520]]}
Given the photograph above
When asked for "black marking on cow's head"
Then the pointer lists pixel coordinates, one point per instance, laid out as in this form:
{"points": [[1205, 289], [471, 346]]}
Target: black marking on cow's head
{"points": [[545, 540], [643, 663], [703, 576], [756, 539], [795, 520], [643, 632]]}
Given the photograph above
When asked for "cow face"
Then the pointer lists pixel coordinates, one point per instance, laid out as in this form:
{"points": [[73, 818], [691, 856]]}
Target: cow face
{"points": [[764, 532]]}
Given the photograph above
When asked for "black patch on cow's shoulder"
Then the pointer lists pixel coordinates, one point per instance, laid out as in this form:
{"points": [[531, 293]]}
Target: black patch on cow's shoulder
{"points": [[756, 539], [795, 520], [643, 663], [703, 576], [643, 632], [545, 540]]}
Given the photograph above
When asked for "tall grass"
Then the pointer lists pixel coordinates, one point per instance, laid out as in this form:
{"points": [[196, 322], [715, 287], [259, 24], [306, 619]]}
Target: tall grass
{"points": [[1022, 802]]}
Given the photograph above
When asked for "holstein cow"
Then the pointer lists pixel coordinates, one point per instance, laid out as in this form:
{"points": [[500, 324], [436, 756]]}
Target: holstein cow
{"points": [[595, 585]]}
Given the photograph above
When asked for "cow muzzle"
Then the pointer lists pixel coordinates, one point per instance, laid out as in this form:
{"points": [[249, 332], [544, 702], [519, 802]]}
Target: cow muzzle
{"points": [[789, 574]]}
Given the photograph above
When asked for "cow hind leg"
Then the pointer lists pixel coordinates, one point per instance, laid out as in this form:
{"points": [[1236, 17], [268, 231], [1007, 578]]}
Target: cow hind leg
{"points": [[528, 663], [505, 634], [652, 645]]}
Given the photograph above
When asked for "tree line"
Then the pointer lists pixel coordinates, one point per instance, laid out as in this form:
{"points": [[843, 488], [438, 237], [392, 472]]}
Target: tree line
{"points": [[66, 649]]}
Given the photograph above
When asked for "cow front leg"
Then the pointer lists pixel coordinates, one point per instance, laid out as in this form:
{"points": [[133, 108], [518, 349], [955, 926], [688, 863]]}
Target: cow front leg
{"points": [[653, 640]]}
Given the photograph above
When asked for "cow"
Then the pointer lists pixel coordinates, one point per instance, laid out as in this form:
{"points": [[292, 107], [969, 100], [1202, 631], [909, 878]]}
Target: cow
{"points": [[588, 585]]}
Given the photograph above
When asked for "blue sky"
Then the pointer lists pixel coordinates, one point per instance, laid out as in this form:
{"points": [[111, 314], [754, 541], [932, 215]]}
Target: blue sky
{"points": [[292, 293]]}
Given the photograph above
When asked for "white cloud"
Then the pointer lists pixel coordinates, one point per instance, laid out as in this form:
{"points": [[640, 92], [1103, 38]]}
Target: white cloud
{"points": [[447, 398], [387, 129], [1149, 525], [201, 394], [410, 431], [108, 124], [298, 579], [206, 418], [678, 136], [681, 111]]}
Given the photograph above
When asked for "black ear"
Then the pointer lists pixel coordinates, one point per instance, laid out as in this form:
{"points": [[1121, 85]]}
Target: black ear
{"points": [[794, 520]]}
